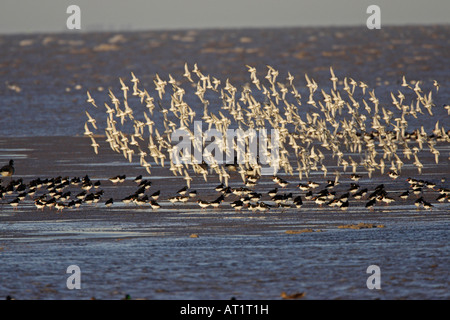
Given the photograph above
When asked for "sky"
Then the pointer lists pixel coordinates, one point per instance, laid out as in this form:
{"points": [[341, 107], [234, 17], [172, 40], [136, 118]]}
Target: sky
{"points": [[38, 16]]}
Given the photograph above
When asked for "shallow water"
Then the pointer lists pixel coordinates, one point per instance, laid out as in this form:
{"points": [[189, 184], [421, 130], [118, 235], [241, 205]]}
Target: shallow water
{"points": [[127, 249], [149, 254], [54, 71], [331, 264]]}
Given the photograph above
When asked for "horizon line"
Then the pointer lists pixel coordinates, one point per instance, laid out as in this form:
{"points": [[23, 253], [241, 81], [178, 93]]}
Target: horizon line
{"points": [[215, 28]]}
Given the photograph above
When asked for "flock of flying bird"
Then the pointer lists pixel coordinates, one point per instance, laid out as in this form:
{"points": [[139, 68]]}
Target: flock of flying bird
{"points": [[347, 120], [378, 144]]}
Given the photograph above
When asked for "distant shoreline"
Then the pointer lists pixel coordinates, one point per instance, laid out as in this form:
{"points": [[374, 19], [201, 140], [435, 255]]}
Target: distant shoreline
{"points": [[217, 29]]}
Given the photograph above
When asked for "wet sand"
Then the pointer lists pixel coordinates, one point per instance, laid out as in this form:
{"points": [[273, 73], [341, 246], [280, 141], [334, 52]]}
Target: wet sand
{"points": [[183, 252]]}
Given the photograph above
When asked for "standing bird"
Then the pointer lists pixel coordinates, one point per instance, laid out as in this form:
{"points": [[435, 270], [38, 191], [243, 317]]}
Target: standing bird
{"points": [[8, 170], [14, 203], [109, 203]]}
